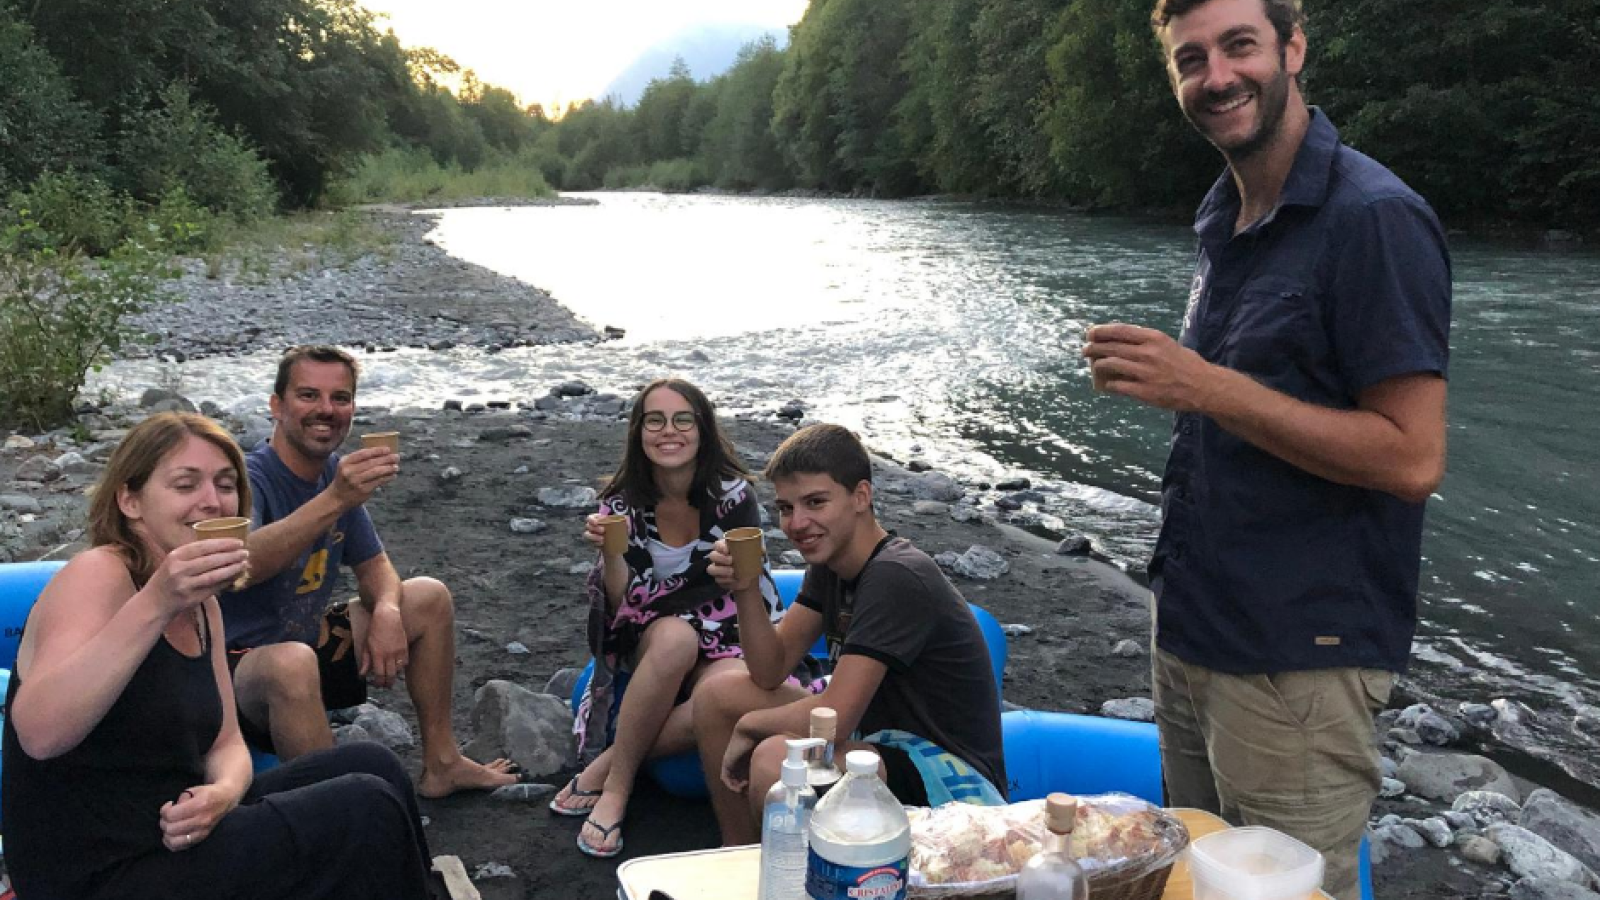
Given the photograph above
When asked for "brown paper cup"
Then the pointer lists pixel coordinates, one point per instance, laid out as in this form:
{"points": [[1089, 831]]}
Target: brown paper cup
{"points": [[389, 439], [745, 545], [616, 534], [236, 527]]}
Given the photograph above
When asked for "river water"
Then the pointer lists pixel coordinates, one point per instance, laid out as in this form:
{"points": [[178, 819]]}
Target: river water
{"points": [[950, 332]]}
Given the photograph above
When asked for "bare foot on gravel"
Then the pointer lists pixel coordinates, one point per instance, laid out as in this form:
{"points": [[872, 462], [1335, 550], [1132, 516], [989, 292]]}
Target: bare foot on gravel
{"points": [[465, 775]]}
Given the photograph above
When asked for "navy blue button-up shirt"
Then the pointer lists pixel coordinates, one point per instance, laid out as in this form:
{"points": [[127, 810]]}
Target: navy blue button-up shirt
{"points": [[1262, 566]]}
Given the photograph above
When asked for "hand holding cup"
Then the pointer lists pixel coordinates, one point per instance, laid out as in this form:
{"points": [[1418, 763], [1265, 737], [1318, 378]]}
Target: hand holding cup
{"points": [[361, 473], [231, 527], [614, 534], [746, 548]]}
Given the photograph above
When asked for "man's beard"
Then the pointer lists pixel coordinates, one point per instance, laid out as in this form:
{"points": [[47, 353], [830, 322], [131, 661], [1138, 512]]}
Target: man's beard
{"points": [[300, 440], [1272, 100]]}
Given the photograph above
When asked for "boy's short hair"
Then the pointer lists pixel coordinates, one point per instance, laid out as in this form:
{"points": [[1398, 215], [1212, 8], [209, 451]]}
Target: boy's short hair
{"points": [[824, 449]]}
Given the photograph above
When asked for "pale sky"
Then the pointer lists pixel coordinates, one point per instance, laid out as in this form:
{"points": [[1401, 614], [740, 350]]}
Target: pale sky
{"points": [[557, 51]]}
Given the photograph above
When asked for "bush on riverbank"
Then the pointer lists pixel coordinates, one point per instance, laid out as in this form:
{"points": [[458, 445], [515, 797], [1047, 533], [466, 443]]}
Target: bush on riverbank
{"points": [[672, 175], [414, 176], [179, 144], [63, 314], [281, 245]]}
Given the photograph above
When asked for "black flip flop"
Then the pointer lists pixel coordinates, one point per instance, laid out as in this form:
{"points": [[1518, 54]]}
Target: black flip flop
{"points": [[605, 832], [574, 791]]}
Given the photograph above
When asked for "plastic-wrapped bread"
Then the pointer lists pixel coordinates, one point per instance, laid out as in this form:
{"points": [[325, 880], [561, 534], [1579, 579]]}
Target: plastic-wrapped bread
{"points": [[961, 850]]}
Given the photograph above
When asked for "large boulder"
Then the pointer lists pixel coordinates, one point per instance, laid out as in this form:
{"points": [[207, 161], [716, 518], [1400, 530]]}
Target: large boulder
{"points": [[1564, 824], [1487, 807], [935, 486], [169, 401], [1531, 856], [1133, 709], [37, 469], [1446, 776], [570, 497], [384, 726], [533, 730], [562, 682], [979, 563]]}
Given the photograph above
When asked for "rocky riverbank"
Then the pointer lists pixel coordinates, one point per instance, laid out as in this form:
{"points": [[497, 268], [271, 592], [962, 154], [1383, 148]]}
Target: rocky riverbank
{"points": [[409, 294], [491, 499]]}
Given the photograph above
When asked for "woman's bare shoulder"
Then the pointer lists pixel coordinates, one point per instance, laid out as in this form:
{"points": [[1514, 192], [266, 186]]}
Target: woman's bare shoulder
{"points": [[97, 576]]}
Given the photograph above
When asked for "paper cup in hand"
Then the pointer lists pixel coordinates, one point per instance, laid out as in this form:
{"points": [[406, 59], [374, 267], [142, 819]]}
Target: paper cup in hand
{"points": [[616, 528], [236, 527], [389, 439], [744, 545]]}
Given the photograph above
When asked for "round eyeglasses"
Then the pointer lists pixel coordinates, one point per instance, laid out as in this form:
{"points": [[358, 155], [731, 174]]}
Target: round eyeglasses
{"points": [[681, 421]]}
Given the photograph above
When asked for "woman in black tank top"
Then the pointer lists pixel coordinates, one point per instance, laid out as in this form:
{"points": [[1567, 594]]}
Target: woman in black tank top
{"points": [[124, 772]]}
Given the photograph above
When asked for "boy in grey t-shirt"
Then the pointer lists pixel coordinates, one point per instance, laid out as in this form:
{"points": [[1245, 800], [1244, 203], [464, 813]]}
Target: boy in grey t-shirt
{"points": [[911, 669]]}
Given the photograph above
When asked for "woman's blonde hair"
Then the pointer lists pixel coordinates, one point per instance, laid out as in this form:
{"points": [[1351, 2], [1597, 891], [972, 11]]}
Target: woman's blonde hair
{"points": [[131, 465]]}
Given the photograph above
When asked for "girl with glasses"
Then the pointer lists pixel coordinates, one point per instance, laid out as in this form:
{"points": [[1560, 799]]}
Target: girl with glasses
{"points": [[657, 622]]}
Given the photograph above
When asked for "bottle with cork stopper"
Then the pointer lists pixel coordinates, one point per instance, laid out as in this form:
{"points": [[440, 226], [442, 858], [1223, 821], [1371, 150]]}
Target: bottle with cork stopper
{"points": [[821, 771], [1053, 874]]}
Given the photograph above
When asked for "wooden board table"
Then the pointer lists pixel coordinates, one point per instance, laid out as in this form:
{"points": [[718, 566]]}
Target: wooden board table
{"points": [[732, 873]]}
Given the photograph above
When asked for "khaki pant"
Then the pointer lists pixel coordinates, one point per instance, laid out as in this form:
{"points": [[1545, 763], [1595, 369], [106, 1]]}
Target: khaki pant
{"points": [[1293, 751]]}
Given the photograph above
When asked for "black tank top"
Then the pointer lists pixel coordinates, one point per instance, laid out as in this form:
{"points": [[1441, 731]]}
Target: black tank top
{"points": [[72, 821]]}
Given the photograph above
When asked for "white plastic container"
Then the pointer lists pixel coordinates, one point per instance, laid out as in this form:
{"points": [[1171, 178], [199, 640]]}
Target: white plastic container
{"points": [[1253, 864]]}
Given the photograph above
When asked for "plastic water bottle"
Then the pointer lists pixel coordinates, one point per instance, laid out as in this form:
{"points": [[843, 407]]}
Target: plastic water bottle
{"points": [[822, 773], [1052, 874], [860, 838], [784, 820]]}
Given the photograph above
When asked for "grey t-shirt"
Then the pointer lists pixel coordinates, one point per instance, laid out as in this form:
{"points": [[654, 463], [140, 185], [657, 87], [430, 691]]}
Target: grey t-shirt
{"points": [[903, 612]]}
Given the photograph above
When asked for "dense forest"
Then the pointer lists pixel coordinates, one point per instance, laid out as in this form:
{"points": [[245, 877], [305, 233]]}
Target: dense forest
{"points": [[245, 105], [1487, 108]]}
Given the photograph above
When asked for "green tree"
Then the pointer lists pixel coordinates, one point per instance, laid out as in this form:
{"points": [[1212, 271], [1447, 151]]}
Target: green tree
{"points": [[595, 138], [738, 145], [505, 125], [43, 125], [297, 77], [1014, 92], [938, 113], [803, 118], [1485, 109], [834, 108], [658, 119], [179, 144], [1115, 132]]}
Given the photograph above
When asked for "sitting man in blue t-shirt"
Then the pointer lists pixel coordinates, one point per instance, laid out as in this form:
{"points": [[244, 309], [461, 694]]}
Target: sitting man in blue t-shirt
{"points": [[292, 656]]}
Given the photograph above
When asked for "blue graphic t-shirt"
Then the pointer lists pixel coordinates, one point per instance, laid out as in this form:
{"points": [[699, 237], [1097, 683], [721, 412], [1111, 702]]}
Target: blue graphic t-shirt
{"points": [[289, 606]]}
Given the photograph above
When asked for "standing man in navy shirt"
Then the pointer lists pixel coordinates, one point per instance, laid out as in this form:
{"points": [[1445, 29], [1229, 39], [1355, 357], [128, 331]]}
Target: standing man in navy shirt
{"points": [[1309, 390], [292, 655]]}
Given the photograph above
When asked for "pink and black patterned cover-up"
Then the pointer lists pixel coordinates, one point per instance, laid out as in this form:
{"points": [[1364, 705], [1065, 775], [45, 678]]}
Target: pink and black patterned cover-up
{"points": [[689, 594]]}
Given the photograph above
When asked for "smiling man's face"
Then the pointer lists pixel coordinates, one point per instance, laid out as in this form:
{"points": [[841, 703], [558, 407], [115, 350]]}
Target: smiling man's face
{"points": [[315, 410], [1232, 77]]}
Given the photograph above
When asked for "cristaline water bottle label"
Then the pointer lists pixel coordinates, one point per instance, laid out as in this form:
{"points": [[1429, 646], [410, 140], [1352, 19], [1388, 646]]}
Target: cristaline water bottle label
{"points": [[830, 881]]}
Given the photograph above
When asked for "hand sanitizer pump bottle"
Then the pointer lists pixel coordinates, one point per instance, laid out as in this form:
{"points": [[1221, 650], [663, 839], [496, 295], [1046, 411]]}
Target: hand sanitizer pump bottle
{"points": [[785, 821]]}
